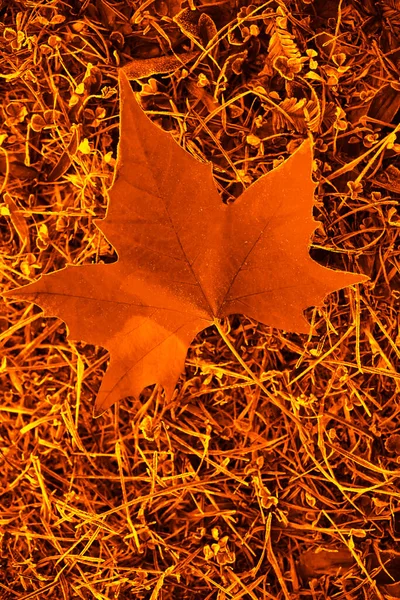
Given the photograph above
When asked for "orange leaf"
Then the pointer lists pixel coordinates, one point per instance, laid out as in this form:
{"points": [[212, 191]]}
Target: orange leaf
{"points": [[186, 259]]}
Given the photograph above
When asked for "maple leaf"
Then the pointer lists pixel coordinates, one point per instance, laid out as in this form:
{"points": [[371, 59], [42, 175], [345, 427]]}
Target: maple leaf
{"points": [[185, 259]]}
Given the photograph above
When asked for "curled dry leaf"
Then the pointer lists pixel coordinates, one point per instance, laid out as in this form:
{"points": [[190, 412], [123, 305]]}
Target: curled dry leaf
{"points": [[186, 259], [145, 67]]}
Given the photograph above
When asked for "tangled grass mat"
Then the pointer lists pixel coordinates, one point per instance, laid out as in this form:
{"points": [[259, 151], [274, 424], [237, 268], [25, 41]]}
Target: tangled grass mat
{"points": [[213, 494]]}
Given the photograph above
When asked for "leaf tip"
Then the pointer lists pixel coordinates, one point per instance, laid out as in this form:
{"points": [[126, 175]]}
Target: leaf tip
{"points": [[123, 80], [354, 279], [16, 296]]}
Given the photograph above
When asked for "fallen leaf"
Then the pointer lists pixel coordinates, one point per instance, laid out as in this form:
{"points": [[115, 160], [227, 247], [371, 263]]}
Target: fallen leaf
{"points": [[16, 168], [314, 563], [186, 259], [65, 160], [385, 104], [18, 220]]}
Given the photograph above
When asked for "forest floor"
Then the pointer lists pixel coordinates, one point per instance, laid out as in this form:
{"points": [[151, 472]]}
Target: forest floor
{"points": [[213, 495]]}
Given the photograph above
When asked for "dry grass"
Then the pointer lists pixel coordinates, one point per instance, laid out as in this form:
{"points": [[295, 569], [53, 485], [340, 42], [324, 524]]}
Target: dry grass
{"points": [[274, 471]]}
